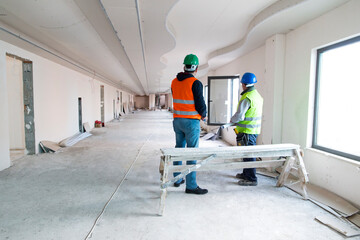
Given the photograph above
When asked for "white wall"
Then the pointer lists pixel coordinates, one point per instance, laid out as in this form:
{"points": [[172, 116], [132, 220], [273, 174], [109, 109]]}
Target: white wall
{"points": [[4, 120], [274, 75], [14, 77], [288, 92], [56, 93], [252, 62], [333, 173]]}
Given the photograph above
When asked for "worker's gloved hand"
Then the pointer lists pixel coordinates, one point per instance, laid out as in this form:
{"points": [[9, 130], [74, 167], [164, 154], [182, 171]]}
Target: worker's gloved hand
{"points": [[227, 125]]}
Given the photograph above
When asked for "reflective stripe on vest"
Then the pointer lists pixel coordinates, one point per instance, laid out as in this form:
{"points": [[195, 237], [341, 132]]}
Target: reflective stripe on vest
{"points": [[183, 99], [185, 113], [252, 122], [248, 126]]}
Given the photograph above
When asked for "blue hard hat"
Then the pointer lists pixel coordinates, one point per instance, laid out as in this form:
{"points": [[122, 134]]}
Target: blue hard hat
{"points": [[248, 78]]}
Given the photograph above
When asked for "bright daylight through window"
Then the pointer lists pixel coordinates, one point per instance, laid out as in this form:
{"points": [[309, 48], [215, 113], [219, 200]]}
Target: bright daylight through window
{"points": [[337, 99], [223, 98]]}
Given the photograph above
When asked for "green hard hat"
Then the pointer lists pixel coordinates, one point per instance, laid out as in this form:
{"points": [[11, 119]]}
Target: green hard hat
{"points": [[191, 59]]}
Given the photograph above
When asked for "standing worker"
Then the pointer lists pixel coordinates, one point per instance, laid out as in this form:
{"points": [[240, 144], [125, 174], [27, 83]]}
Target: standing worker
{"points": [[248, 124], [189, 108]]}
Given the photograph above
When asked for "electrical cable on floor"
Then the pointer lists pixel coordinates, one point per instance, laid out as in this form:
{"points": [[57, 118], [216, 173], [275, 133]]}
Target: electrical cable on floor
{"points": [[117, 188]]}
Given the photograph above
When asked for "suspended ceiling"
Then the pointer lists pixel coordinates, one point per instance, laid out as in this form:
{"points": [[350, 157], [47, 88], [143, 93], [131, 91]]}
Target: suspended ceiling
{"points": [[139, 45]]}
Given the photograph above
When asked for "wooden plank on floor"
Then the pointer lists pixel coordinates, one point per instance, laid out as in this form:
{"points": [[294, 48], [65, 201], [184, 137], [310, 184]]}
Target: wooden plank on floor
{"points": [[355, 219], [326, 197], [338, 225], [53, 146]]}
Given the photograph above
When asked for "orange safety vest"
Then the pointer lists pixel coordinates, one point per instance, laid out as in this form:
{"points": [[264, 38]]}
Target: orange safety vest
{"points": [[183, 98]]}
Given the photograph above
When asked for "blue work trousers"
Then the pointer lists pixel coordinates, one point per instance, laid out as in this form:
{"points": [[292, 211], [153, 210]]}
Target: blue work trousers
{"points": [[187, 132], [244, 139]]}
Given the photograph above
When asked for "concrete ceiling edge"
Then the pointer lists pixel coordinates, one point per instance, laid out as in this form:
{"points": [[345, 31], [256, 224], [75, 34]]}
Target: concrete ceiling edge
{"points": [[96, 15], [21, 40]]}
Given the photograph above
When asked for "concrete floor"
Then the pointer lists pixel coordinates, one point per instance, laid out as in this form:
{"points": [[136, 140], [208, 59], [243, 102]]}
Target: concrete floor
{"points": [[60, 195]]}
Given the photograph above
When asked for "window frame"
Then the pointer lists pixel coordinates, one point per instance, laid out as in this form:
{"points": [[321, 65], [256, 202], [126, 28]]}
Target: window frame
{"points": [[316, 99]]}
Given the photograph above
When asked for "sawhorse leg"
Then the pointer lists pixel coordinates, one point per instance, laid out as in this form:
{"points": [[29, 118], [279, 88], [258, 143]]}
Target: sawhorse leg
{"points": [[286, 171], [165, 174], [165, 183], [303, 175]]}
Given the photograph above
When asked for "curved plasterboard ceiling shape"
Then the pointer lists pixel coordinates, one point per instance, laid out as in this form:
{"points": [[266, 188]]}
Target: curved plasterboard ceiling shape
{"points": [[226, 33], [203, 26], [63, 27], [280, 17], [141, 27]]}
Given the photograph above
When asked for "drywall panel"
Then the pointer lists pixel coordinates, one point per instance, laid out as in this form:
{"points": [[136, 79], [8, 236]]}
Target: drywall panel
{"points": [[274, 75], [334, 173], [56, 93], [4, 131], [326, 170], [252, 62]]}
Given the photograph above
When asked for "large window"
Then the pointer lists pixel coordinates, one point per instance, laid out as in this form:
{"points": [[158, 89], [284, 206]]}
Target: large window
{"points": [[223, 98], [337, 99]]}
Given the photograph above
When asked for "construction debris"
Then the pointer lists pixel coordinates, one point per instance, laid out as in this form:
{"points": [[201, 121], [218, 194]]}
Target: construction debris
{"points": [[74, 139], [341, 226], [355, 219], [208, 136], [87, 127], [347, 221], [343, 207], [214, 135], [48, 146]]}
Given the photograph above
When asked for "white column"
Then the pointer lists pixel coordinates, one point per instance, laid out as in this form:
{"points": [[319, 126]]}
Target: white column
{"points": [[274, 75], [151, 101], [4, 121]]}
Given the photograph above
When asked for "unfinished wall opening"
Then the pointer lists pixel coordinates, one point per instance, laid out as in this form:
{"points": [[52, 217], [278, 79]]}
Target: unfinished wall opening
{"points": [[81, 129], [102, 107], [114, 111], [117, 103], [121, 103], [21, 106]]}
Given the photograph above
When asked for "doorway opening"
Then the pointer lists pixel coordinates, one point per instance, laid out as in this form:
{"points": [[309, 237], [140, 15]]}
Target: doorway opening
{"points": [[19, 79], [81, 128], [102, 107], [121, 103]]}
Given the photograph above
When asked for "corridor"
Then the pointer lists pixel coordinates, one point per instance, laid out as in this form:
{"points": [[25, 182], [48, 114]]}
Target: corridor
{"points": [[61, 195]]}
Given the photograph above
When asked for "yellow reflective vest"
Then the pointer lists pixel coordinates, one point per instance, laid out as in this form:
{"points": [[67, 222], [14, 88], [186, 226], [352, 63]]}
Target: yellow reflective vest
{"points": [[252, 122]]}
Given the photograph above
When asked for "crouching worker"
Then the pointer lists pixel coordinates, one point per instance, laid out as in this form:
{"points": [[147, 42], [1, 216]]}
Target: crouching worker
{"points": [[247, 120]]}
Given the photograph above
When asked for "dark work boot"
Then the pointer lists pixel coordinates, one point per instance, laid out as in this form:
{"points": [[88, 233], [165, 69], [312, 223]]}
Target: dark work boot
{"points": [[245, 182], [240, 176], [178, 184], [197, 190]]}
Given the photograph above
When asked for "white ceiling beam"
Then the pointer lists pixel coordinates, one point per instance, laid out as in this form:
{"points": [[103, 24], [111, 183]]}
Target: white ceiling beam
{"points": [[96, 15]]}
